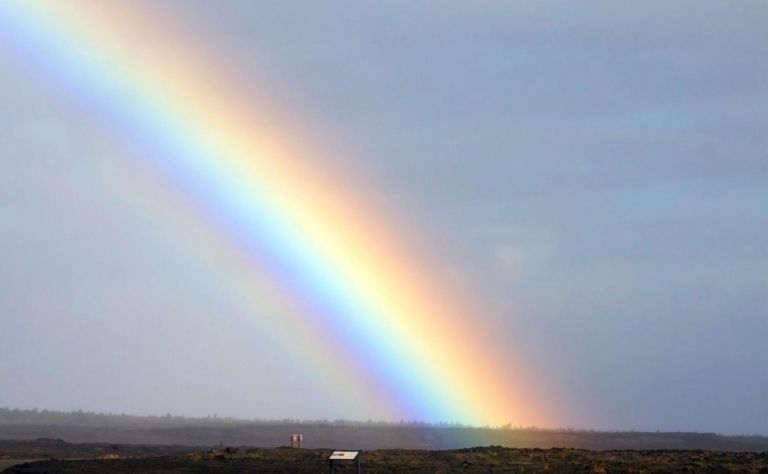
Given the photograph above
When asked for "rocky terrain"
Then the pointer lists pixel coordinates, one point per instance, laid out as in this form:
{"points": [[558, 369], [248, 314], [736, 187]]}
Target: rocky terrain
{"points": [[103, 458]]}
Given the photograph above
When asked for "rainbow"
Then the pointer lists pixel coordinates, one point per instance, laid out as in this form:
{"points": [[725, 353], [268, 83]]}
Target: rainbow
{"points": [[334, 262]]}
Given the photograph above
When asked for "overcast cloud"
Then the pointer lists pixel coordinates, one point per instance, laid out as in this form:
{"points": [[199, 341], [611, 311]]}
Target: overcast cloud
{"points": [[595, 172]]}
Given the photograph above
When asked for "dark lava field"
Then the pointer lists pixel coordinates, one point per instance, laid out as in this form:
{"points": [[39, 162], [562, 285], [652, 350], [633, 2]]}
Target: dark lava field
{"points": [[105, 458]]}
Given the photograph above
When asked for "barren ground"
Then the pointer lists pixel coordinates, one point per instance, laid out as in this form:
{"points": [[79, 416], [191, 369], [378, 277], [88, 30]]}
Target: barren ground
{"points": [[177, 459]]}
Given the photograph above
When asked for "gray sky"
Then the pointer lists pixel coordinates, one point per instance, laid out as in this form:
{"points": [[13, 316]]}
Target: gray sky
{"points": [[595, 172]]}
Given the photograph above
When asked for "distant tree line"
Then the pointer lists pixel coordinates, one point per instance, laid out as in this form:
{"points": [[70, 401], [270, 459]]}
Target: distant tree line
{"points": [[34, 416], [92, 418]]}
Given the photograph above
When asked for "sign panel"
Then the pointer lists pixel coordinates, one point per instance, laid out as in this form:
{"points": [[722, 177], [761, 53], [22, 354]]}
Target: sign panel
{"points": [[344, 455]]}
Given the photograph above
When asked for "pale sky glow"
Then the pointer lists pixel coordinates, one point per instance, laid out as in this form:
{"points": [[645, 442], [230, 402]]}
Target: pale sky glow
{"points": [[594, 174]]}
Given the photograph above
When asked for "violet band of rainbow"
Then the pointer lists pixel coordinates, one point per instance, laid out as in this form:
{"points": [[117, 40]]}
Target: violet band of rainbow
{"points": [[241, 163]]}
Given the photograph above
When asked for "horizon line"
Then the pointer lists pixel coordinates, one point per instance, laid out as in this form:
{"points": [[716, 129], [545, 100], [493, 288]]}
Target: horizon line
{"points": [[214, 417]]}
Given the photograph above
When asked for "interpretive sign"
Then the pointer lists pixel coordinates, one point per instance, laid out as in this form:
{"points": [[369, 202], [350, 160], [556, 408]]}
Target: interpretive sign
{"points": [[342, 456]]}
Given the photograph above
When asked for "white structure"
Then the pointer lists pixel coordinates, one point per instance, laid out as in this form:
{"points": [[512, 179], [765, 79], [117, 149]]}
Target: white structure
{"points": [[296, 439]]}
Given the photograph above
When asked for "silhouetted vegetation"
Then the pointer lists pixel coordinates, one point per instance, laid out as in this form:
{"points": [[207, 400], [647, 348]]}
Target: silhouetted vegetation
{"points": [[91, 418]]}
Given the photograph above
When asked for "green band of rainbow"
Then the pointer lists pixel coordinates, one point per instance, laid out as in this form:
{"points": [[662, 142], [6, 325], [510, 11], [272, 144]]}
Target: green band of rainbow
{"points": [[244, 166]]}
